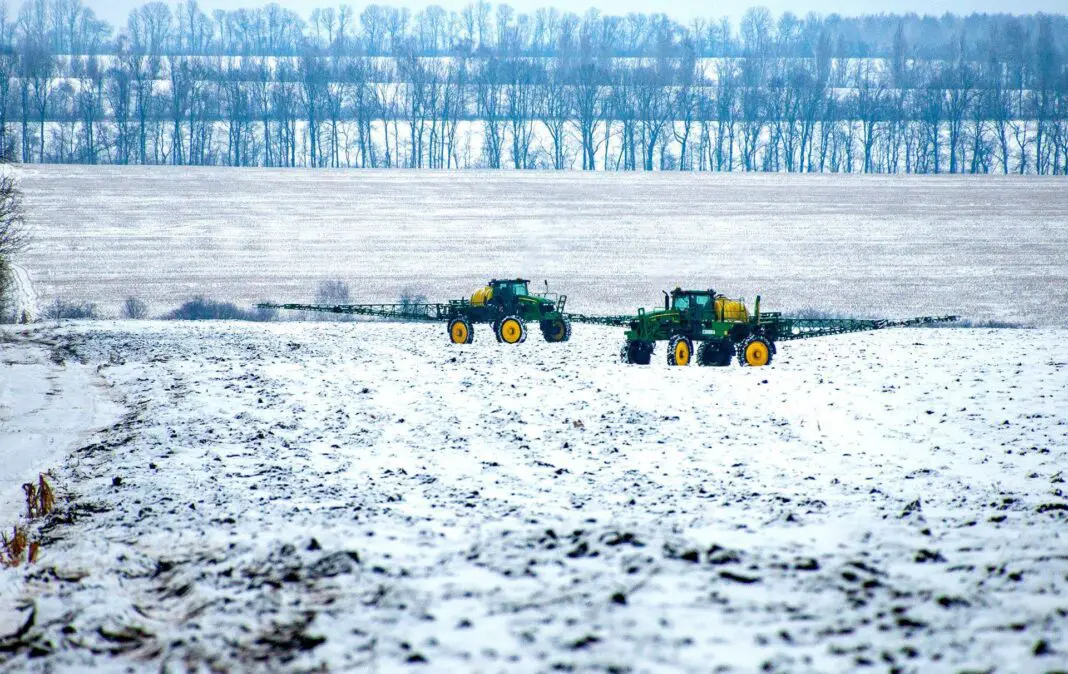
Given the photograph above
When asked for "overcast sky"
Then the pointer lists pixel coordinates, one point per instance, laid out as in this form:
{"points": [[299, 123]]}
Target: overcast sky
{"points": [[115, 11]]}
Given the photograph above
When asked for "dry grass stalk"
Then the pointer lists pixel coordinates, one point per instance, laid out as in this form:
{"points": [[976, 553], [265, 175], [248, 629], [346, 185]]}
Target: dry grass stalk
{"points": [[40, 499], [11, 550], [30, 489], [46, 500]]}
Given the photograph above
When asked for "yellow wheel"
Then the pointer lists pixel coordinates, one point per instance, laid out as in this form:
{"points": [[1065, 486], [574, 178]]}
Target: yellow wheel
{"points": [[556, 330], [460, 331], [511, 330], [756, 352], [680, 350]]}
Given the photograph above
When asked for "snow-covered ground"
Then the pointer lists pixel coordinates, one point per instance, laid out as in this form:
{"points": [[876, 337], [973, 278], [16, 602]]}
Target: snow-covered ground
{"points": [[367, 496], [987, 248], [49, 405]]}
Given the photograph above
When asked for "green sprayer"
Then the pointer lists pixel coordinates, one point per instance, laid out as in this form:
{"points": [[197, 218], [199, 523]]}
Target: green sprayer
{"points": [[507, 305], [722, 329]]}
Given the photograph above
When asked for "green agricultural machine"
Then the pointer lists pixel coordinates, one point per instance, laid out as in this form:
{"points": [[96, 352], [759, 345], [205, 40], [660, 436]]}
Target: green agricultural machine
{"points": [[507, 305], [724, 329]]}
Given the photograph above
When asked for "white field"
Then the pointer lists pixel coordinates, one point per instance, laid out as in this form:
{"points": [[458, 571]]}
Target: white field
{"points": [[367, 497], [988, 248]]}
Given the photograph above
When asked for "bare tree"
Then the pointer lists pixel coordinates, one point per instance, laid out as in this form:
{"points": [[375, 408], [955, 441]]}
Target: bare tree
{"points": [[8, 72], [726, 118], [90, 102], [554, 111], [491, 109], [869, 106], [684, 106], [14, 236], [589, 104], [521, 98], [313, 80], [119, 98]]}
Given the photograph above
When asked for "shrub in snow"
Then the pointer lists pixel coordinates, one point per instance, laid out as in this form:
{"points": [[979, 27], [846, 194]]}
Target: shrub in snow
{"points": [[333, 292], [409, 297], [135, 309], [330, 292], [204, 309], [61, 309]]}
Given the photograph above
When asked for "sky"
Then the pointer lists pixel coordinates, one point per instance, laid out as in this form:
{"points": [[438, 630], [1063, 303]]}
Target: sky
{"points": [[115, 11]]}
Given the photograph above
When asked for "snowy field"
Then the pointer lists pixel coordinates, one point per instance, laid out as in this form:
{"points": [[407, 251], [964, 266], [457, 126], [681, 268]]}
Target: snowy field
{"points": [[368, 497], [987, 248]]}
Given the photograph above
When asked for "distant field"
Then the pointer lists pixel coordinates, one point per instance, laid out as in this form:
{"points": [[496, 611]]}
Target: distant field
{"points": [[989, 248]]}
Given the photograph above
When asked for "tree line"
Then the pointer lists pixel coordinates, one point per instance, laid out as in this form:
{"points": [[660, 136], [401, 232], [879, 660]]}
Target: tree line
{"points": [[490, 87]]}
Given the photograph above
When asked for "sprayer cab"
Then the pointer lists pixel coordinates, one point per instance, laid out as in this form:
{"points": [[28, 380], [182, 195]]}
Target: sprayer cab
{"points": [[707, 305]]}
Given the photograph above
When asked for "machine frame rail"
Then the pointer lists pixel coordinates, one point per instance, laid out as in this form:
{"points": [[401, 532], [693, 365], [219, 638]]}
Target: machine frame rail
{"points": [[423, 311], [614, 321], [787, 328]]}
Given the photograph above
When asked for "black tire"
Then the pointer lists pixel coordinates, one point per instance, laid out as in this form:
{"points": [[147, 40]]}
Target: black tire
{"points": [[556, 330], [715, 353], [674, 354], [636, 353], [763, 348], [504, 330], [468, 334]]}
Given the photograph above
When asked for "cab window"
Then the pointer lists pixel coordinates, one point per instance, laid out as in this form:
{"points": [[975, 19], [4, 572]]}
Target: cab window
{"points": [[519, 289], [685, 302]]}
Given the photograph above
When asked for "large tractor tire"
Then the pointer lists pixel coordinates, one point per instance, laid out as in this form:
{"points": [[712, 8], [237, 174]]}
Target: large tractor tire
{"points": [[715, 353], [511, 330], [756, 351], [680, 350], [460, 331], [636, 353], [556, 330]]}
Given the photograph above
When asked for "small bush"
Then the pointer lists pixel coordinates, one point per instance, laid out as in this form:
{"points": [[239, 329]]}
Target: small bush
{"points": [[204, 309], [61, 309], [333, 292], [409, 297], [330, 293], [134, 309]]}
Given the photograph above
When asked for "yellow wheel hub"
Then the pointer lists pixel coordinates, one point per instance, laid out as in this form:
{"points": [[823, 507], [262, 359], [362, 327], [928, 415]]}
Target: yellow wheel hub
{"points": [[756, 354], [558, 334], [458, 333], [511, 331], [682, 353]]}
